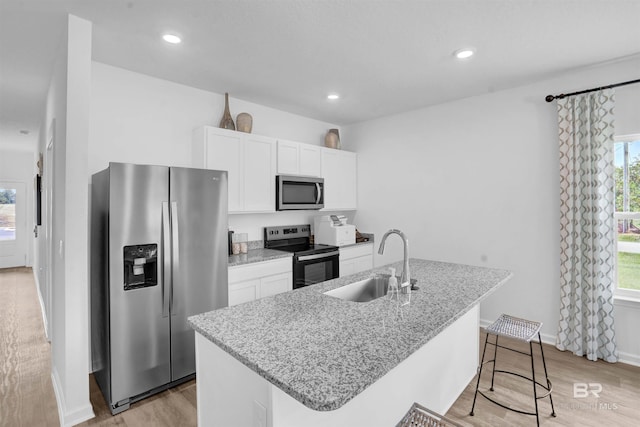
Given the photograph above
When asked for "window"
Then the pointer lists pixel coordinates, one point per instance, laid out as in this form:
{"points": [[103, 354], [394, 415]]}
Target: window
{"points": [[7, 214], [627, 215]]}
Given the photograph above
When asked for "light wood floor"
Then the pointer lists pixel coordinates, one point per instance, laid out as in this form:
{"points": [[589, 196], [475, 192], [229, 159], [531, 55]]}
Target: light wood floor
{"points": [[27, 397], [618, 404], [26, 391]]}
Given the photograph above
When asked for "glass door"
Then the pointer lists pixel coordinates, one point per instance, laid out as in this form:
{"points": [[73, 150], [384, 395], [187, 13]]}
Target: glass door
{"points": [[13, 225]]}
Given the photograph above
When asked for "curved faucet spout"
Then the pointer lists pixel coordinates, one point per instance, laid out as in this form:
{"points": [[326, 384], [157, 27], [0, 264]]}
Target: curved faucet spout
{"points": [[406, 276]]}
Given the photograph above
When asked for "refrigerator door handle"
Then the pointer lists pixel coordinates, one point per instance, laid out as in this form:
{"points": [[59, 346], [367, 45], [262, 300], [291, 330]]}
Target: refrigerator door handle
{"points": [[166, 259], [175, 245]]}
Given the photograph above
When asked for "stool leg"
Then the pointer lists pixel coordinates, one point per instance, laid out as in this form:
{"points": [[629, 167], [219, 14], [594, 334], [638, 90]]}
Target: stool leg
{"points": [[475, 396], [533, 376], [495, 355], [546, 376]]}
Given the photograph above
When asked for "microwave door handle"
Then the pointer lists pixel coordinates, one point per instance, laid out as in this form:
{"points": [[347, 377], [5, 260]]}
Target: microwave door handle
{"points": [[319, 193]]}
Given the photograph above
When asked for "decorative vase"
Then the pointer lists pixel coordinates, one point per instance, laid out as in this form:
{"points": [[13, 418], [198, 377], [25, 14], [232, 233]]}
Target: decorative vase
{"points": [[332, 139], [227, 122], [244, 121]]}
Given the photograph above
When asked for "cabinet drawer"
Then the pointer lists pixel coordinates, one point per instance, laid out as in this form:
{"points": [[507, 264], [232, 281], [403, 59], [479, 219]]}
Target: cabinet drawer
{"points": [[257, 270], [356, 251]]}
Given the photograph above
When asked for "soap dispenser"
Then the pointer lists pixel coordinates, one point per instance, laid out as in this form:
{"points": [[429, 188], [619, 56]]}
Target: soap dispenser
{"points": [[393, 283]]}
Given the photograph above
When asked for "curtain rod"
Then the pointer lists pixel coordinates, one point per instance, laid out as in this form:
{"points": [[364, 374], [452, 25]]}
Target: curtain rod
{"points": [[550, 98]]}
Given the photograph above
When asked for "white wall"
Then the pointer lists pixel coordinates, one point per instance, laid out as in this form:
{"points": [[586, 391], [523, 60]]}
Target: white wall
{"points": [[140, 119], [476, 181], [19, 165], [68, 105]]}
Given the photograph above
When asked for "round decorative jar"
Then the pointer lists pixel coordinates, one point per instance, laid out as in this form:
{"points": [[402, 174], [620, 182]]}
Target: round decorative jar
{"points": [[332, 139], [244, 122]]}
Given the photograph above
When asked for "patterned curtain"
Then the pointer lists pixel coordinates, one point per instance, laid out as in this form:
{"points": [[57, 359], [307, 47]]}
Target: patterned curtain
{"points": [[587, 235]]}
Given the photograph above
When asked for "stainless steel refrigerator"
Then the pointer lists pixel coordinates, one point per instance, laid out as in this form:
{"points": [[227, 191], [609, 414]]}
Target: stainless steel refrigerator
{"points": [[158, 255]]}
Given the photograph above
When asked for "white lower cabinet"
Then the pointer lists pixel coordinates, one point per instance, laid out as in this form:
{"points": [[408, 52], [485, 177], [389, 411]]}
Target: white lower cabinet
{"points": [[258, 280], [354, 259], [276, 284], [245, 291]]}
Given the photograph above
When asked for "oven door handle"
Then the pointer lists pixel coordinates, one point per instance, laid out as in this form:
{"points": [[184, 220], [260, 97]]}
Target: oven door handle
{"points": [[318, 256]]}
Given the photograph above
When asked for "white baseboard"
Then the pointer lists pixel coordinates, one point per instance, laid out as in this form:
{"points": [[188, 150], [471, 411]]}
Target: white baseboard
{"points": [[43, 311], [68, 418], [628, 358]]}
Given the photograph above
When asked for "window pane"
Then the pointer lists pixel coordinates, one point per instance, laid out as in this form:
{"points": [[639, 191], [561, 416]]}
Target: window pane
{"points": [[627, 193], [7, 214], [627, 176]]}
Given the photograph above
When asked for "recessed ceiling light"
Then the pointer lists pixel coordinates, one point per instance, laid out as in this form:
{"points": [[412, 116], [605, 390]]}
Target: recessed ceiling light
{"points": [[464, 53], [333, 96], [171, 38]]}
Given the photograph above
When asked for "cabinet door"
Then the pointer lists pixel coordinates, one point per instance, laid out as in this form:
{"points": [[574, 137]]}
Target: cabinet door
{"points": [[363, 263], [276, 284], [340, 176], [347, 267], [347, 177], [288, 157], [259, 174], [246, 291], [224, 152], [330, 173], [309, 160]]}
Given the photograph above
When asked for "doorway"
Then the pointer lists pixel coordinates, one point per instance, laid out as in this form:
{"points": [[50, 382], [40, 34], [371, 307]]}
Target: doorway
{"points": [[13, 224]]}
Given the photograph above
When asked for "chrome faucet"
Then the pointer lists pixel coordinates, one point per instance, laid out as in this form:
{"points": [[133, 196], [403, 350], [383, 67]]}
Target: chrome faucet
{"points": [[406, 276]]}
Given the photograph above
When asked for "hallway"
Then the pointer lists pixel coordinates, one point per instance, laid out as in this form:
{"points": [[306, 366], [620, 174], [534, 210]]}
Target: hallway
{"points": [[26, 391]]}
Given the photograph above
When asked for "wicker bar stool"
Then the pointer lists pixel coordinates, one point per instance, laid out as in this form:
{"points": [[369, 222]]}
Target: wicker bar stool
{"points": [[419, 416], [522, 330]]}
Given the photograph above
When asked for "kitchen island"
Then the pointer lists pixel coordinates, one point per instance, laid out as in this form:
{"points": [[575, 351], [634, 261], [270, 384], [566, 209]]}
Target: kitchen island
{"points": [[305, 358]]}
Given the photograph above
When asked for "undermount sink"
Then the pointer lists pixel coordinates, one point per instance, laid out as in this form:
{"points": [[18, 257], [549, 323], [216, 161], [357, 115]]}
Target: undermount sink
{"points": [[363, 291]]}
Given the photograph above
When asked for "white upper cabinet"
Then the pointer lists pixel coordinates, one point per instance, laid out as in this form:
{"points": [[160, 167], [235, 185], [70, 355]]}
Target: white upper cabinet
{"points": [[259, 174], [309, 160], [295, 158], [253, 162], [339, 170], [288, 157], [250, 161]]}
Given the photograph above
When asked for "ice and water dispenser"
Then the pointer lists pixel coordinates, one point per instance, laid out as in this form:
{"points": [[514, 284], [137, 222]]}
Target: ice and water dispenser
{"points": [[140, 266]]}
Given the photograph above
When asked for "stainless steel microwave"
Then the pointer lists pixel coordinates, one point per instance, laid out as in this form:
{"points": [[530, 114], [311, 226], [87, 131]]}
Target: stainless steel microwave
{"points": [[299, 192]]}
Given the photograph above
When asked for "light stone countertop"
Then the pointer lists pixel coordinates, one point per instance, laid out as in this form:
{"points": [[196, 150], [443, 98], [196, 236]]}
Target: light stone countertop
{"points": [[323, 351], [260, 254], [257, 255]]}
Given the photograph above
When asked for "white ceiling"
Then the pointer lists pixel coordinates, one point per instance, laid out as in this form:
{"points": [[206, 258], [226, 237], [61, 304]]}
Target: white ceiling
{"points": [[383, 57]]}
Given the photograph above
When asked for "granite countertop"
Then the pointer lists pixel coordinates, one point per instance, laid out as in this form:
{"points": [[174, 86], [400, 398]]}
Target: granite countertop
{"points": [[323, 351], [370, 236], [257, 255]]}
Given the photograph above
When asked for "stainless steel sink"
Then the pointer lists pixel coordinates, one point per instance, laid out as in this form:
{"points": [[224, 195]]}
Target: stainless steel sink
{"points": [[363, 291], [366, 290]]}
